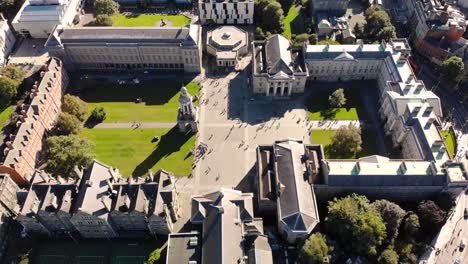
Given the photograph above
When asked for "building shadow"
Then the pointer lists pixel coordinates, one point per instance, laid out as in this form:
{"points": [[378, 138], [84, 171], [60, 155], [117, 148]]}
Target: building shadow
{"points": [[246, 185], [169, 143]]}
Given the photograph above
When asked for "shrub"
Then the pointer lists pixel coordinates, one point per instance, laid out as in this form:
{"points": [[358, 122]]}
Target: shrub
{"points": [[103, 20], [67, 124], [75, 106], [98, 114]]}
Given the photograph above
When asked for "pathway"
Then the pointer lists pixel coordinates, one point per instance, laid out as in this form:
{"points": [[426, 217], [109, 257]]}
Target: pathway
{"points": [[334, 124], [135, 125]]}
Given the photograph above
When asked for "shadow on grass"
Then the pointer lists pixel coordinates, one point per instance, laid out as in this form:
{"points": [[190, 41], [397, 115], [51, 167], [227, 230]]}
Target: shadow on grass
{"points": [[169, 143]]}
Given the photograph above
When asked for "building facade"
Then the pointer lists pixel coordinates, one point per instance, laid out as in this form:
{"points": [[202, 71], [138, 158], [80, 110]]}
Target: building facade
{"points": [[128, 49], [7, 40], [227, 44], [36, 118], [38, 18], [277, 69], [226, 12]]}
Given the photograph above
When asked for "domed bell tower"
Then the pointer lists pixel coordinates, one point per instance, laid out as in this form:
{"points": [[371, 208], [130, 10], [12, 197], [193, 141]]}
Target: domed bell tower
{"points": [[187, 118]]}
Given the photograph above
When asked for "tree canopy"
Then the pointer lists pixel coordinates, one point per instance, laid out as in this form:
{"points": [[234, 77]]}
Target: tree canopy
{"points": [[269, 16], [346, 141], [14, 73], [103, 20], [431, 215], [75, 106], [8, 90], [392, 215], [105, 7], [68, 124], [337, 98], [66, 152], [314, 250], [378, 25], [352, 219], [451, 68], [411, 224], [388, 256]]}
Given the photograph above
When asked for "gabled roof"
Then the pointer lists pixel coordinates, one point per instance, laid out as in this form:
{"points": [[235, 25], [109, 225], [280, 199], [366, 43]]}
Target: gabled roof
{"points": [[344, 56], [278, 55]]}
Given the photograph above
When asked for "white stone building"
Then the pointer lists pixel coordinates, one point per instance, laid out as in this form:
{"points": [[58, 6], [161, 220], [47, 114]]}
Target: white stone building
{"points": [[7, 40], [227, 44], [277, 70], [38, 18], [226, 12]]}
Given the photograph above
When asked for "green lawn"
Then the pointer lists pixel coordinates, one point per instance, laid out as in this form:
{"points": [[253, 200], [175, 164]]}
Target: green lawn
{"points": [[148, 20], [160, 99], [450, 141], [324, 137], [288, 19], [5, 115], [318, 108], [133, 153]]}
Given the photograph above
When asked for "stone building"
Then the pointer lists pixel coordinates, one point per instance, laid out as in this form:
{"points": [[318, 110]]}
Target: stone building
{"points": [[7, 40], [8, 208], [128, 49], [227, 44], [277, 69], [187, 117], [38, 18], [36, 119], [226, 11]]}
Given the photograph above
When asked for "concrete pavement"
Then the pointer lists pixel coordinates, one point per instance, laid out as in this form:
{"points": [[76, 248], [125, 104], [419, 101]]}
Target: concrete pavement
{"points": [[135, 125]]}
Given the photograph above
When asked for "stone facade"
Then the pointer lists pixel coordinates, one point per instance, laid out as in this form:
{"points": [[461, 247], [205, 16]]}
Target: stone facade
{"points": [[128, 49], [226, 12], [227, 44], [7, 40], [37, 118]]}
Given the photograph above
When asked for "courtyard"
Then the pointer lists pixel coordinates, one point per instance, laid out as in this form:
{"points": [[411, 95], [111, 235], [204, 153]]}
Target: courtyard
{"points": [[126, 139], [450, 141], [324, 137], [149, 20]]}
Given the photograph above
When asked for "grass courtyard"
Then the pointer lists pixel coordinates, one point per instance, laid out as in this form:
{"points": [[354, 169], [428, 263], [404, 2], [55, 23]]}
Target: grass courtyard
{"points": [[288, 21], [324, 137], [133, 153], [148, 20], [318, 107], [450, 141], [5, 115], [160, 99]]}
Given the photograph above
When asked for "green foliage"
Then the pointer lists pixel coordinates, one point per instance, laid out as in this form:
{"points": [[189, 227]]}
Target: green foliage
{"points": [[431, 216], [98, 114], [66, 152], [337, 98], [14, 117], [351, 219], [68, 124], [105, 7], [154, 256], [392, 215], [301, 39], [407, 255], [346, 141], [378, 26], [6, 4], [74, 106], [451, 68], [103, 20], [270, 16], [329, 42], [313, 39], [259, 34], [445, 201], [314, 250], [358, 31], [388, 256], [8, 90], [411, 224], [14, 73]]}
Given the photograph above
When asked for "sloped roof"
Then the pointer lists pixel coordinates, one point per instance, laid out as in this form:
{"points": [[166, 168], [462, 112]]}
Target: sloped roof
{"points": [[344, 56], [278, 55]]}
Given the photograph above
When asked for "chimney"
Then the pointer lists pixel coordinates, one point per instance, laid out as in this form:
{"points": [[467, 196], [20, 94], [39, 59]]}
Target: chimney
{"points": [[9, 145], [410, 78], [42, 74], [89, 183], [429, 122]]}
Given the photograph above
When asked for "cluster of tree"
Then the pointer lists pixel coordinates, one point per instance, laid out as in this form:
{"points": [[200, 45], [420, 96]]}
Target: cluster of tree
{"points": [[451, 68], [104, 10], [304, 38], [346, 141], [11, 78], [72, 116], [337, 98], [9, 8], [380, 231], [269, 18], [378, 26]]}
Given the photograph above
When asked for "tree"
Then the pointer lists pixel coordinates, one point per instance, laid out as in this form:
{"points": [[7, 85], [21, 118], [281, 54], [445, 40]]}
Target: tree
{"points": [[302, 39], [337, 98], [68, 124], [411, 224], [14, 73], [351, 219], [8, 90], [98, 114], [388, 256], [445, 201], [106, 7], [154, 256], [451, 68], [346, 141], [75, 106], [378, 26], [313, 39], [272, 17], [392, 215], [314, 250], [329, 42], [358, 31], [66, 152], [431, 216], [103, 20]]}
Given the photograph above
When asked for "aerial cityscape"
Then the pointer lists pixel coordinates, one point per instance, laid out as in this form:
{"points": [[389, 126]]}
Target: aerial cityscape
{"points": [[233, 131]]}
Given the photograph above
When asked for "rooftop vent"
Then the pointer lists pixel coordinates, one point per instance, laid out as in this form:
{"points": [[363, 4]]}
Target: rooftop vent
{"points": [[193, 241]]}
